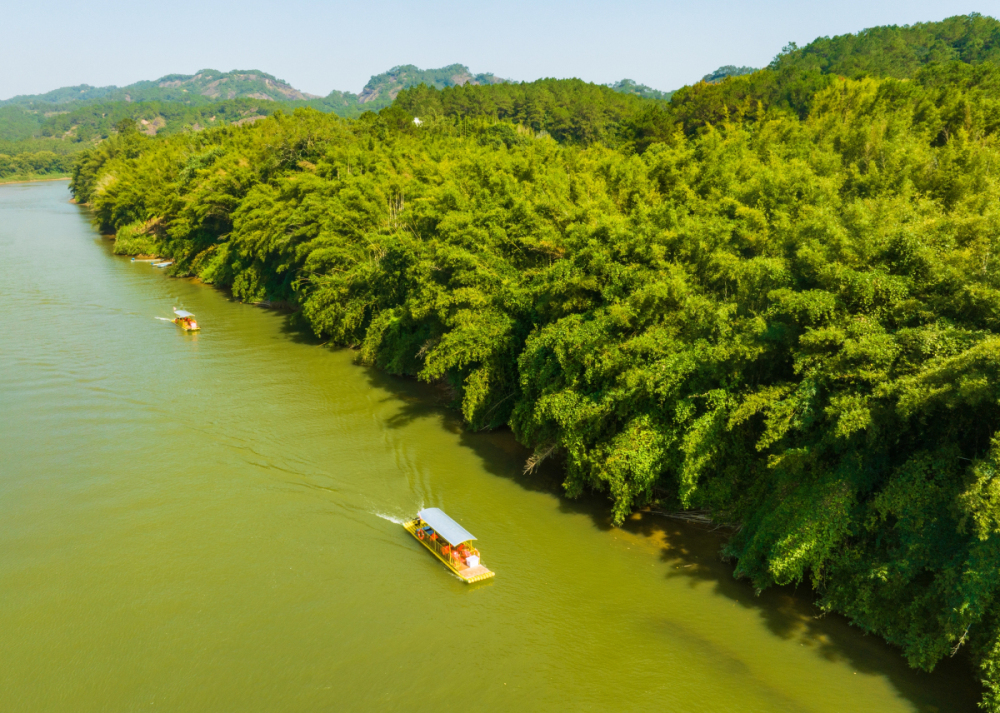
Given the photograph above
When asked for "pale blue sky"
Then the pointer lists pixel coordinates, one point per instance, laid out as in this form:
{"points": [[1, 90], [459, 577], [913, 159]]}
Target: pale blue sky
{"points": [[320, 46]]}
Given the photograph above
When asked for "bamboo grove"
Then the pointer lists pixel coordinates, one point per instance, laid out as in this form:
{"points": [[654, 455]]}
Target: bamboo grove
{"points": [[789, 317]]}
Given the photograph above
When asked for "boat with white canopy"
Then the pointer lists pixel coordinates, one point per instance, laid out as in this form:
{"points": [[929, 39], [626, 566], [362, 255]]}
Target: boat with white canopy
{"points": [[185, 320], [449, 542]]}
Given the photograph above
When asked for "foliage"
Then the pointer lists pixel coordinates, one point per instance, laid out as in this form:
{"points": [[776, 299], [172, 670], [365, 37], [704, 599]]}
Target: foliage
{"points": [[899, 52], [796, 75], [138, 238], [31, 165], [570, 110]]}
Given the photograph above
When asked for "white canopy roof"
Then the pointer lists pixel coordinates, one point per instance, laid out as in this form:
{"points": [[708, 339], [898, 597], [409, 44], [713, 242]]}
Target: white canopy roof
{"points": [[451, 531], [182, 313]]}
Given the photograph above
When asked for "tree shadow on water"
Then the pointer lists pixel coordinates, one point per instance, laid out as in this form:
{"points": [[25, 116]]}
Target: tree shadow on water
{"points": [[293, 326], [692, 552]]}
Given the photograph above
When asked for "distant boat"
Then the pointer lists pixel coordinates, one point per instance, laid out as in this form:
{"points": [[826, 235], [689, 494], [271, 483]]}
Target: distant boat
{"points": [[168, 263], [185, 320], [449, 542]]}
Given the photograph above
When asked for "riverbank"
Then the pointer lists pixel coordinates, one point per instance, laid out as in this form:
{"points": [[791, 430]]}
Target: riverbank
{"points": [[34, 179]]}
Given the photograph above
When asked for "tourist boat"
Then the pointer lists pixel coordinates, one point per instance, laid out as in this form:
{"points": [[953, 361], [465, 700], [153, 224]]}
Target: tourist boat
{"points": [[185, 320], [449, 542]]}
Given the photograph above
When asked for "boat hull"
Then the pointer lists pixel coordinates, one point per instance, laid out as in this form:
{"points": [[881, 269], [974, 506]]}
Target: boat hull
{"points": [[466, 574], [183, 325]]}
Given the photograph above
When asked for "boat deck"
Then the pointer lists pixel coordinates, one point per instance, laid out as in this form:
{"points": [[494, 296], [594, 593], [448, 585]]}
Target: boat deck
{"points": [[475, 574], [467, 574]]}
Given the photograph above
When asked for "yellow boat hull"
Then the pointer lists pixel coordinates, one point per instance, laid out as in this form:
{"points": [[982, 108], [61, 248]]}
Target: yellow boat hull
{"points": [[183, 325], [466, 574]]}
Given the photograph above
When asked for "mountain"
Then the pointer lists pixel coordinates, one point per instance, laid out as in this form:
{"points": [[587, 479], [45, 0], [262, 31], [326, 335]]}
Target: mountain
{"points": [[388, 84], [628, 86], [70, 118], [210, 85], [206, 86], [382, 89]]}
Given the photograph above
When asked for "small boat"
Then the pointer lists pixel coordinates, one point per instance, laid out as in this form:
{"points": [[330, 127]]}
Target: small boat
{"points": [[168, 263], [449, 542], [185, 320]]}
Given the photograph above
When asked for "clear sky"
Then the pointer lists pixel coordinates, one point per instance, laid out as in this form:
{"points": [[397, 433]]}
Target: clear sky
{"points": [[319, 46]]}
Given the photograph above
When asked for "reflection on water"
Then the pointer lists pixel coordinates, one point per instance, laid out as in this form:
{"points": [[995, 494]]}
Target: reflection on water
{"points": [[211, 521]]}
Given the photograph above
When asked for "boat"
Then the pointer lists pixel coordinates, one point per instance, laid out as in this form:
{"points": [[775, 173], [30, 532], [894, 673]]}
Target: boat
{"points": [[168, 263], [185, 320], [449, 542]]}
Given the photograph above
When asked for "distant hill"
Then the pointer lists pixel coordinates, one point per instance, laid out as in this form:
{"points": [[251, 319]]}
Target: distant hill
{"points": [[208, 85], [382, 89], [70, 118], [629, 86], [727, 71], [388, 84]]}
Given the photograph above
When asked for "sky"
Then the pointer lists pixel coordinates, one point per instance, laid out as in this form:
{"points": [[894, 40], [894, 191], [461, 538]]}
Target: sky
{"points": [[321, 46]]}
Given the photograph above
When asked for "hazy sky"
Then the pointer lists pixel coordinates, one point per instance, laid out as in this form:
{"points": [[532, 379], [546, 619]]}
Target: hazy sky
{"points": [[319, 46]]}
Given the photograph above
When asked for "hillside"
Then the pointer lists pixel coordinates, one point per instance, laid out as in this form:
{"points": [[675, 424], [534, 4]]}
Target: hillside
{"points": [[388, 84], [210, 85], [922, 52], [206, 86], [898, 51], [382, 89]]}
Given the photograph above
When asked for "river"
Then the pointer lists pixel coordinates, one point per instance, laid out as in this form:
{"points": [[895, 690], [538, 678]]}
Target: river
{"points": [[210, 522]]}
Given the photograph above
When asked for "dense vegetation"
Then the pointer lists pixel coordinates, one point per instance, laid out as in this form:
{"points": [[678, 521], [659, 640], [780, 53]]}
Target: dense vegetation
{"points": [[783, 311], [570, 110], [899, 51], [39, 164]]}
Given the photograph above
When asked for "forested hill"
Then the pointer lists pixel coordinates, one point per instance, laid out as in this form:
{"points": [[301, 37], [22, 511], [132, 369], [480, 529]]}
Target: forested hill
{"points": [[922, 52], [900, 52], [210, 85], [206, 86]]}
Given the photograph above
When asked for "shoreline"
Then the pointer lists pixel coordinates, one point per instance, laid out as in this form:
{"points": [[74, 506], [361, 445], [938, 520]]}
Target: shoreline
{"points": [[12, 181]]}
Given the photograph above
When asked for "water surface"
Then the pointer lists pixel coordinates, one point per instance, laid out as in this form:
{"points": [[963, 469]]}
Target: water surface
{"points": [[209, 522]]}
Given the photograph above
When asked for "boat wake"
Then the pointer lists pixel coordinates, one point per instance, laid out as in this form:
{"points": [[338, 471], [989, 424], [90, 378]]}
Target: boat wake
{"points": [[390, 518]]}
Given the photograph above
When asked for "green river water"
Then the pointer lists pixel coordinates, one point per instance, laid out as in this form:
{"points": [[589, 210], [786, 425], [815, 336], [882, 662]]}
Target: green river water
{"points": [[210, 523]]}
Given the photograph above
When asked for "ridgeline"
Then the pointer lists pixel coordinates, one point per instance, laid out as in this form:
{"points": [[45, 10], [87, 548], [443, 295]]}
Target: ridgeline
{"points": [[776, 298]]}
